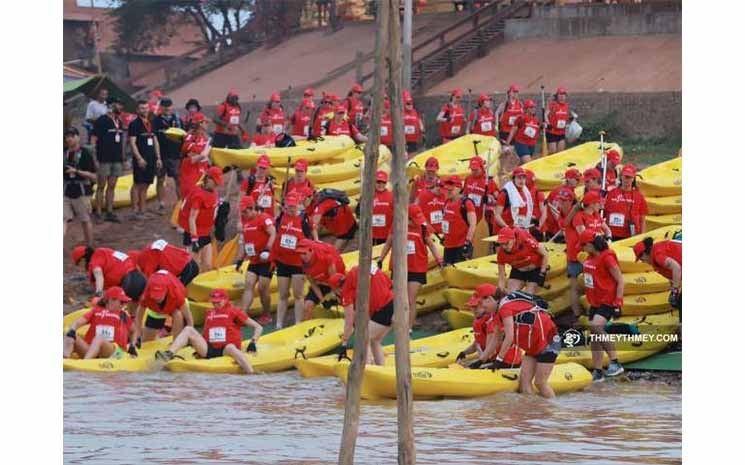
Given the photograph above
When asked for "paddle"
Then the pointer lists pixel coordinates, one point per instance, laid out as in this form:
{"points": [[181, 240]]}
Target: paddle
{"points": [[544, 143], [604, 162]]}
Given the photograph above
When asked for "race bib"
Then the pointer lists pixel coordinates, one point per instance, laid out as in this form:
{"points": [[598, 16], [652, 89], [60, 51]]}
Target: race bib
{"points": [[486, 126], [250, 249], [265, 201], [616, 219], [277, 128], [511, 120], [150, 141], [106, 332], [305, 130], [235, 119], [217, 334], [410, 248], [409, 130], [522, 221], [383, 130], [476, 198], [288, 241], [445, 226], [160, 244], [121, 256], [530, 131], [455, 130], [117, 138], [373, 268], [561, 124], [589, 283], [435, 217], [378, 221]]}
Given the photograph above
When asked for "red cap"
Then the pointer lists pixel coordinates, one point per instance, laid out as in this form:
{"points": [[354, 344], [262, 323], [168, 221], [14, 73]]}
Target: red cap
{"points": [[528, 103], [247, 201], [219, 295], [381, 176], [263, 162], [407, 96], [587, 236], [519, 171], [198, 117], [308, 92], [572, 173], [629, 170], [483, 98], [530, 175], [476, 163], [432, 164], [156, 93], [116, 293], [157, 286], [482, 291], [357, 88], [215, 172], [292, 200], [304, 246], [275, 97], [639, 249], [340, 109], [301, 164], [78, 253], [505, 235], [453, 180], [416, 215], [613, 156], [561, 90], [592, 173], [591, 198], [332, 97], [565, 193], [456, 93], [233, 92], [335, 281]]}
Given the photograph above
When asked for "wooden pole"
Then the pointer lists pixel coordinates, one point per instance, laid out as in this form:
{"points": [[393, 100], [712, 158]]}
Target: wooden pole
{"points": [[356, 370], [406, 449], [408, 19]]}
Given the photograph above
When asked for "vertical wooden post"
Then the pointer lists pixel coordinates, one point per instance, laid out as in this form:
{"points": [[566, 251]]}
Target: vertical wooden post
{"points": [[408, 20], [356, 370], [359, 58], [406, 449]]}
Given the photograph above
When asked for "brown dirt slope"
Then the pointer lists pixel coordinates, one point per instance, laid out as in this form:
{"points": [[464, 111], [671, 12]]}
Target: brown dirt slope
{"points": [[596, 64]]}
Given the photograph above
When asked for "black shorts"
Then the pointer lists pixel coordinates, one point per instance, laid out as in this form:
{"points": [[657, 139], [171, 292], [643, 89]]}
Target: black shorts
{"points": [[453, 255], [155, 323], [202, 241], [411, 147], [414, 277], [384, 316], [226, 141], [170, 168], [538, 235], [553, 137], [263, 270], [378, 241], [503, 135], [527, 276], [213, 352], [133, 284], [311, 296], [190, 271], [349, 235], [286, 271], [550, 353], [606, 311], [144, 175]]}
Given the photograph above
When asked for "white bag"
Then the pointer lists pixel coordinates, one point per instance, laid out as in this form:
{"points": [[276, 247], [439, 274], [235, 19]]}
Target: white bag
{"points": [[573, 131]]}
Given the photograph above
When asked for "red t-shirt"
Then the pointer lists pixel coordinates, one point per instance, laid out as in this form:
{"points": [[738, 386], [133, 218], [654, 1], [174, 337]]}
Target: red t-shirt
{"points": [[528, 129], [508, 118], [324, 255], [454, 226], [264, 140], [386, 129], [228, 114], [663, 250], [594, 222], [354, 107], [531, 338], [277, 117], [456, 126], [487, 324], [381, 289], [112, 326], [222, 326], [483, 121], [256, 236], [600, 286], [416, 249], [206, 203], [432, 206], [558, 118], [114, 265], [421, 184], [300, 123], [289, 232], [475, 188], [382, 214], [503, 200], [412, 126], [524, 252], [190, 172], [345, 128], [624, 208], [175, 294], [321, 118], [262, 190], [160, 255], [338, 219], [304, 190]]}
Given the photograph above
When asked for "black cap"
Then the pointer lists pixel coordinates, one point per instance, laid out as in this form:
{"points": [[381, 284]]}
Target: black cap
{"points": [[166, 102], [113, 99], [193, 101], [72, 131]]}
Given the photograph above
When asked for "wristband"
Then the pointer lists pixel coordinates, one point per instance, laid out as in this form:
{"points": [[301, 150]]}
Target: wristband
{"points": [[71, 333]]}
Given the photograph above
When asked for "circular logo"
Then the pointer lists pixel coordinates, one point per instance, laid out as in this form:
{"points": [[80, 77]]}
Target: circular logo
{"points": [[571, 337]]}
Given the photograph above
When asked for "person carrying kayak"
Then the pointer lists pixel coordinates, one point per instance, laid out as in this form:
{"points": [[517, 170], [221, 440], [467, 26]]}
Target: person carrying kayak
{"points": [[320, 262], [514, 203], [336, 217], [197, 218], [558, 117], [524, 133], [413, 125], [300, 185], [160, 255], [419, 238], [256, 240], [260, 185], [164, 297], [228, 129], [275, 114], [110, 329], [432, 201], [508, 113], [482, 119], [478, 188], [604, 292], [354, 106], [428, 180], [528, 260], [380, 308], [300, 121], [382, 212], [341, 126], [523, 320], [292, 226], [486, 338], [108, 268], [196, 155], [451, 118], [626, 207], [666, 257], [458, 223], [221, 336]]}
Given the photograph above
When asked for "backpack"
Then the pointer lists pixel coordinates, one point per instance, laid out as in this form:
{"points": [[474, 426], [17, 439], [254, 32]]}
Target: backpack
{"points": [[463, 209], [252, 183], [284, 140], [305, 224], [335, 194], [529, 328]]}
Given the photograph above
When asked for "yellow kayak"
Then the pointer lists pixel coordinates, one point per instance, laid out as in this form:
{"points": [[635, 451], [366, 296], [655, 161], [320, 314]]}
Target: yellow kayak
{"points": [[646, 282], [175, 134], [549, 171], [659, 221], [457, 297], [352, 186], [662, 179], [457, 319], [122, 196], [276, 351], [329, 171], [431, 383], [625, 253], [312, 151], [665, 205], [455, 155], [145, 360], [640, 304]]}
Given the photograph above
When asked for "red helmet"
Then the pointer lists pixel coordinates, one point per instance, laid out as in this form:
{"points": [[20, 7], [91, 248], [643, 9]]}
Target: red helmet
{"points": [[275, 97]]}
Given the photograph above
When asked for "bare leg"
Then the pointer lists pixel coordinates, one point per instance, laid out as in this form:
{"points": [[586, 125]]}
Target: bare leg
{"points": [[100, 188], [239, 357], [377, 333], [561, 145], [525, 159], [189, 336], [142, 196], [99, 348], [205, 258], [551, 147], [178, 323], [597, 326], [413, 289], [531, 287], [248, 292], [264, 295], [514, 285], [340, 244], [283, 288], [160, 188], [308, 306], [110, 188], [542, 373], [297, 292], [77, 345], [87, 232], [527, 372], [574, 297]]}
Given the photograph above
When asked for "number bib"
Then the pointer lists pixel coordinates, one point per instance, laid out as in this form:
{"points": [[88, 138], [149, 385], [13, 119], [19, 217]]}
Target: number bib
{"points": [[265, 201], [277, 128], [435, 217], [383, 130], [378, 221], [445, 226], [160, 244], [455, 130], [476, 198], [217, 334], [410, 248], [589, 283], [511, 120], [121, 256], [106, 332], [250, 249], [409, 130], [522, 221], [561, 124], [617, 220], [486, 126], [288, 241], [235, 120], [530, 131], [305, 130]]}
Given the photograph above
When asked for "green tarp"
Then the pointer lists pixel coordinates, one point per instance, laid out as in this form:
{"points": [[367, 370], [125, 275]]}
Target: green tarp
{"points": [[668, 361], [89, 87]]}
